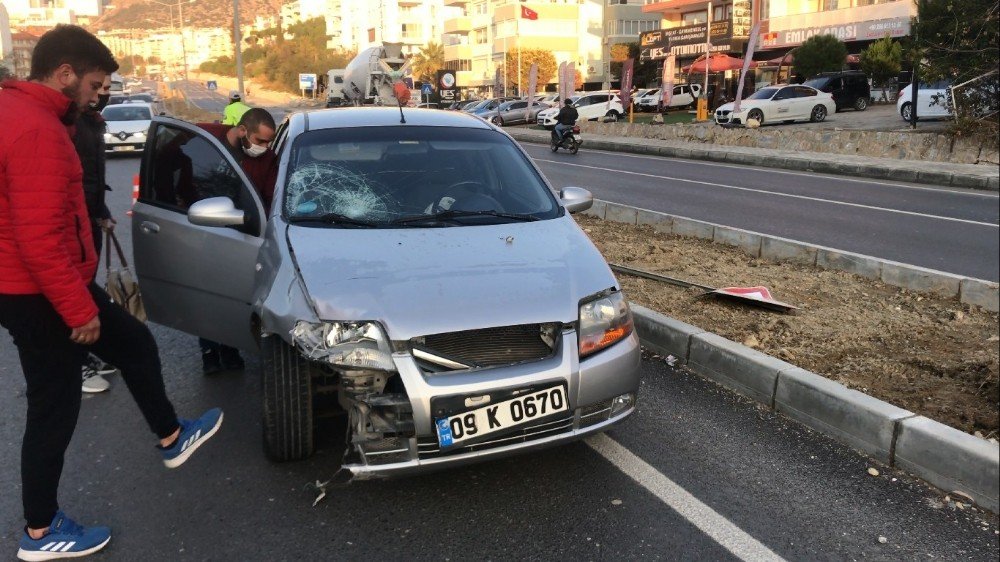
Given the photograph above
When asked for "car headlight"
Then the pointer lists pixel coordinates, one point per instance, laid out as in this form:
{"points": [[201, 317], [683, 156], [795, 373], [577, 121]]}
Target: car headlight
{"points": [[108, 137], [604, 321], [140, 135], [359, 345]]}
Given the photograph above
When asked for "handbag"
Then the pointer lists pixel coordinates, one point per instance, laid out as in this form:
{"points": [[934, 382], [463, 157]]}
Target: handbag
{"points": [[121, 284]]}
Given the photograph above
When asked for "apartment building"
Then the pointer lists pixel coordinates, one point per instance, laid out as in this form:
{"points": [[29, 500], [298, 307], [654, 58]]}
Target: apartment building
{"points": [[22, 45], [6, 41], [170, 46], [785, 24]]}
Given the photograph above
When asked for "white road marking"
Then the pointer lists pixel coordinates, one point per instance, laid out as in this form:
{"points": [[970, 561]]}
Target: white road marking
{"points": [[777, 193], [710, 522], [953, 190]]}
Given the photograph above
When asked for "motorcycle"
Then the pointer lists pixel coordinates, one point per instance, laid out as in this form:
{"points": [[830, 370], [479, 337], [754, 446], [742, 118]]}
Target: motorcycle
{"points": [[571, 140]]}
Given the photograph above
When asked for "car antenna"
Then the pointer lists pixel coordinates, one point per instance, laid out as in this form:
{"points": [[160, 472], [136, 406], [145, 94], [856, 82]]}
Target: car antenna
{"points": [[402, 118]]}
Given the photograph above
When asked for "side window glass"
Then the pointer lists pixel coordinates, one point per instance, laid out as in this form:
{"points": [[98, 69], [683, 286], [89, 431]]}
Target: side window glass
{"points": [[186, 168], [679, 90], [584, 101], [801, 92], [784, 94]]}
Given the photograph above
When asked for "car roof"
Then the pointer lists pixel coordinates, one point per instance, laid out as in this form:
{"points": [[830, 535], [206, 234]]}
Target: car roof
{"points": [[352, 117], [145, 104]]}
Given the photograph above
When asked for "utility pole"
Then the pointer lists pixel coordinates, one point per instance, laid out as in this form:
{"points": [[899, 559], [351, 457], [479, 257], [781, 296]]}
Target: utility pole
{"points": [[180, 16], [238, 46]]}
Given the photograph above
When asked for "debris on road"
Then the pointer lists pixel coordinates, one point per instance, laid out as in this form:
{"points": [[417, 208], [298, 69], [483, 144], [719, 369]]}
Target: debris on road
{"points": [[873, 471], [882, 540]]}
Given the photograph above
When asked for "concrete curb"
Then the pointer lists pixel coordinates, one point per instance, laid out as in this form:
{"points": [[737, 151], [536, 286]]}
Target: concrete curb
{"points": [[941, 455], [810, 162], [967, 290]]}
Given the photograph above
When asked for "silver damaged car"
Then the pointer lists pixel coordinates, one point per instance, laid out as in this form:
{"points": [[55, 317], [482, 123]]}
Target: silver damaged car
{"points": [[421, 276]]}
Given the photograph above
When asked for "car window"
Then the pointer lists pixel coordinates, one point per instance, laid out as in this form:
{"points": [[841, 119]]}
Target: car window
{"points": [[764, 94], [801, 92], [583, 101], [185, 167], [381, 174], [123, 112], [518, 105]]}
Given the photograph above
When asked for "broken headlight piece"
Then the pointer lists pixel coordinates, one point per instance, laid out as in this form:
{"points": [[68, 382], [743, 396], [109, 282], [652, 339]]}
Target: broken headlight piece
{"points": [[356, 345]]}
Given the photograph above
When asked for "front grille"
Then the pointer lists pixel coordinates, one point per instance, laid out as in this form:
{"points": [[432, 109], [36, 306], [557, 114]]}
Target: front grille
{"points": [[595, 413], [428, 448], [491, 347]]}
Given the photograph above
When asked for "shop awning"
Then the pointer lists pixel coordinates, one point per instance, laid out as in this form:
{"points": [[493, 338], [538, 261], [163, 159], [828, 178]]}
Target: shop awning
{"points": [[717, 63], [790, 59]]}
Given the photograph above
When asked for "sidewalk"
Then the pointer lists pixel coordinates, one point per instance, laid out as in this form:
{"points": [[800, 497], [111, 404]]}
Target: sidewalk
{"points": [[973, 176]]}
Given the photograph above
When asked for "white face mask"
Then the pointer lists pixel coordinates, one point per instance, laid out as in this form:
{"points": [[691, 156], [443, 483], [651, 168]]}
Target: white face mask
{"points": [[254, 150]]}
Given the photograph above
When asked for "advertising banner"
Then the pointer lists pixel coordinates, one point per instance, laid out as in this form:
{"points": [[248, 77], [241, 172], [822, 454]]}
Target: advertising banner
{"points": [[532, 84], [447, 86], [653, 45], [861, 31], [751, 44], [625, 94], [498, 85], [561, 75], [668, 80]]}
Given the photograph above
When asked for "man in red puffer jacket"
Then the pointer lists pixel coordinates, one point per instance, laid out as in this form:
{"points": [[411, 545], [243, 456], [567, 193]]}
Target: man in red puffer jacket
{"points": [[48, 302]]}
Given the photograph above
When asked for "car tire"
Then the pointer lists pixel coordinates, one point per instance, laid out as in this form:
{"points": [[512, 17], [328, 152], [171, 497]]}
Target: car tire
{"points": [[497, 120], [286, 388], [861, 104], [818, 114], [756, 114], [611, 116], [904, 111]]}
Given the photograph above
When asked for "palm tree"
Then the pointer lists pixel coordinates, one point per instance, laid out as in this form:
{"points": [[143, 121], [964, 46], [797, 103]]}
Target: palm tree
{"points": [[428, 61]]}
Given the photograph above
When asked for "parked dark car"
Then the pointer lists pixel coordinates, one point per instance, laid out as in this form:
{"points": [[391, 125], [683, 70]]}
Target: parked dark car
{"points": [[850, 88]]}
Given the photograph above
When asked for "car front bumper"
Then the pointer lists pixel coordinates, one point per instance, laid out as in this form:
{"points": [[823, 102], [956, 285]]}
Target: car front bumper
{"points": [[602, 392], [130, 144]]}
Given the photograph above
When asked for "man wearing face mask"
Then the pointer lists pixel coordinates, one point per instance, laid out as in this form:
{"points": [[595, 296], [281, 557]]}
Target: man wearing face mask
{"points": [[88, 137], [249, 144], [48, 300]]}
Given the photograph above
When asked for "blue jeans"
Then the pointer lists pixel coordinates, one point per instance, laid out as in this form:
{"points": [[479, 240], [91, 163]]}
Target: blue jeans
{"points": [[561, 130]]}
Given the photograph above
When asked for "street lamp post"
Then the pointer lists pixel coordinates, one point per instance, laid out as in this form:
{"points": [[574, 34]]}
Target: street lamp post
{"points": [[180, 16]]}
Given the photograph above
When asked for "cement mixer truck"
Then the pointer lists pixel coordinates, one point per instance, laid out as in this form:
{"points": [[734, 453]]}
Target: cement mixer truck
{"points": [[369, 77]]}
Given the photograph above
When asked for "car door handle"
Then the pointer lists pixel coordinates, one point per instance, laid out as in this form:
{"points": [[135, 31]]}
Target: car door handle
{"points": [[149, 227]]}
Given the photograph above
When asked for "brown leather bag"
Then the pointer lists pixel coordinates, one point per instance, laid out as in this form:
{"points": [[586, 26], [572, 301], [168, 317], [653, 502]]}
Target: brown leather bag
{"points": [[121, 284]]}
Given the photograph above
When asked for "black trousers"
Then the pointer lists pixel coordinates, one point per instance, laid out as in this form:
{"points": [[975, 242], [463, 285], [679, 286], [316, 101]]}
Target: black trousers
{"points": [[51, 364]]}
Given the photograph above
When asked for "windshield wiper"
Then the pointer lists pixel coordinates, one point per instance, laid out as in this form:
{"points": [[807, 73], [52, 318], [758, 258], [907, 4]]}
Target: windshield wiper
{"points": [[452, 214], [332, 218]]}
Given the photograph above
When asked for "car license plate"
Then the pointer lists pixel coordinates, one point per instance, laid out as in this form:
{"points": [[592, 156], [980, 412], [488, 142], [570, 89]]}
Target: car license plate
{"points": [[124, 148], [492, 418]]}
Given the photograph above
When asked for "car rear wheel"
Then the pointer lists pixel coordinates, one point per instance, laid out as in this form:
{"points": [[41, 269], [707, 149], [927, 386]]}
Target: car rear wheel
{"points": [[497, 120], [611, 116], [906, 111], [286, 386], [756, 115], [818, 114], [861, 104]]}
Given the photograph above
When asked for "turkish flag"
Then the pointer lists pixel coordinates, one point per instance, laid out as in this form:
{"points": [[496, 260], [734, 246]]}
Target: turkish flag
{"points": [[528, 14]]}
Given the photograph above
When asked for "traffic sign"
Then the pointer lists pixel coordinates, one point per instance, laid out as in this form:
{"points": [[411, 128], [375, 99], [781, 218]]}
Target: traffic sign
{"points": [[307, 81], [426, 89], [212, 85]]}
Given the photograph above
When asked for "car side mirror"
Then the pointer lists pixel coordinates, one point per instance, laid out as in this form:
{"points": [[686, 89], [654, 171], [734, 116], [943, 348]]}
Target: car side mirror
{"points": [[216, 211], [576, 199]]}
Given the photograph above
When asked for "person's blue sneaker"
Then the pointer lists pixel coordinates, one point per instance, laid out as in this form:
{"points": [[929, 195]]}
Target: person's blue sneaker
{"points": [[65, 539], [193, 433]]}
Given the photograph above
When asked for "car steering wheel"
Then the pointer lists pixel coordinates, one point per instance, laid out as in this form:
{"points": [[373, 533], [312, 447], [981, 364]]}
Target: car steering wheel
{"points": [[471, 194]]}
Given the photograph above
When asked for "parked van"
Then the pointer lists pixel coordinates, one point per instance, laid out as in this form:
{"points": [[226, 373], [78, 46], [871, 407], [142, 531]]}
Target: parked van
{"points": [[850, 88]]}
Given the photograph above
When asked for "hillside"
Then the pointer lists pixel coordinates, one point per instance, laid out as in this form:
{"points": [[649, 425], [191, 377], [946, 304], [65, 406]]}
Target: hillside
{"points": [[139, 14]]}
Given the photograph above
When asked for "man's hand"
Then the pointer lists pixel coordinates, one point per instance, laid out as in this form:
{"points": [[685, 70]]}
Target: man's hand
{"points": [[107, 225], [88, 333]]}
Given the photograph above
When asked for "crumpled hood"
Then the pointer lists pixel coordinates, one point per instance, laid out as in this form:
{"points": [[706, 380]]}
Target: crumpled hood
{"points": [[419, 281]]}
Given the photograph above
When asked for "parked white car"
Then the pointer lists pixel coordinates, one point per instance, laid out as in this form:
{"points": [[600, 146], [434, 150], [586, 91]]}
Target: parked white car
{"points": [[591, 106], [785, 103], [684, 96], [932, 101]]}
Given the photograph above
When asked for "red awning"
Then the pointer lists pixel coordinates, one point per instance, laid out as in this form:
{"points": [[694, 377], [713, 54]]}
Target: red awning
{"points": [[717, 63]]}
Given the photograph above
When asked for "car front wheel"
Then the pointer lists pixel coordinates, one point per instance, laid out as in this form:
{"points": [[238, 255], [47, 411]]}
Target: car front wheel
{"points": [[861, 104], [611, 116], [906, 111], [498, 121], [286, 386], [818, 114], [756, 115]]}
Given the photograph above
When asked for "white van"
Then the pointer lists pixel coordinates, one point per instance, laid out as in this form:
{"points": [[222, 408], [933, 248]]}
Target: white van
{"points": [[684, 96]]}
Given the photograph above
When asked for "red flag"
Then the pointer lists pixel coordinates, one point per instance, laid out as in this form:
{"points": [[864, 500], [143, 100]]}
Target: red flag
{"points": [[528, 14], [401, 92]]}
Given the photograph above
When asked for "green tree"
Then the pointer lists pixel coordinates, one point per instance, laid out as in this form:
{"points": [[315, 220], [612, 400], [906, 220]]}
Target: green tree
{"points": [[882, 61], [545, 60], [643, 73], [428, 61], [820, 53], [957, 40]]}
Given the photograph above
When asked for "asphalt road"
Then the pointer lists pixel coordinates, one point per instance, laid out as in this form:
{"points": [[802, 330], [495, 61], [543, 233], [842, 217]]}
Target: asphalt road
{"points": [[215, 100], [697, 473], [948, 229]]}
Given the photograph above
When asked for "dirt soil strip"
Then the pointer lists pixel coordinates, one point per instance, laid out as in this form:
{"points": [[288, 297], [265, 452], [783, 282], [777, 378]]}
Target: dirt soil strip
{"points": [[931, 355]]}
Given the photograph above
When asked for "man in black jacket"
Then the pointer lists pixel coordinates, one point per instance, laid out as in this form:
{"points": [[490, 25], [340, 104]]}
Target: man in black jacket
{"points": [[89, 141], [566, 118]]}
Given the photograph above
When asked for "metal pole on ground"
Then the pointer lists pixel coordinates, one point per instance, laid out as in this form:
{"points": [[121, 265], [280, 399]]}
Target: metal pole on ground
{"points": [[238, 46]]}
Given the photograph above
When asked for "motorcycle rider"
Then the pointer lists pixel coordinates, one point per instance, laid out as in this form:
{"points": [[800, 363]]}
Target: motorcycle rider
{"points": [[565, 119]]}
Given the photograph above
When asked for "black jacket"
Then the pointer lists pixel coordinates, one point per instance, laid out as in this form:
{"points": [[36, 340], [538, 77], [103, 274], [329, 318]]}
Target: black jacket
{"points": [[567, 115], [89, 141]]}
